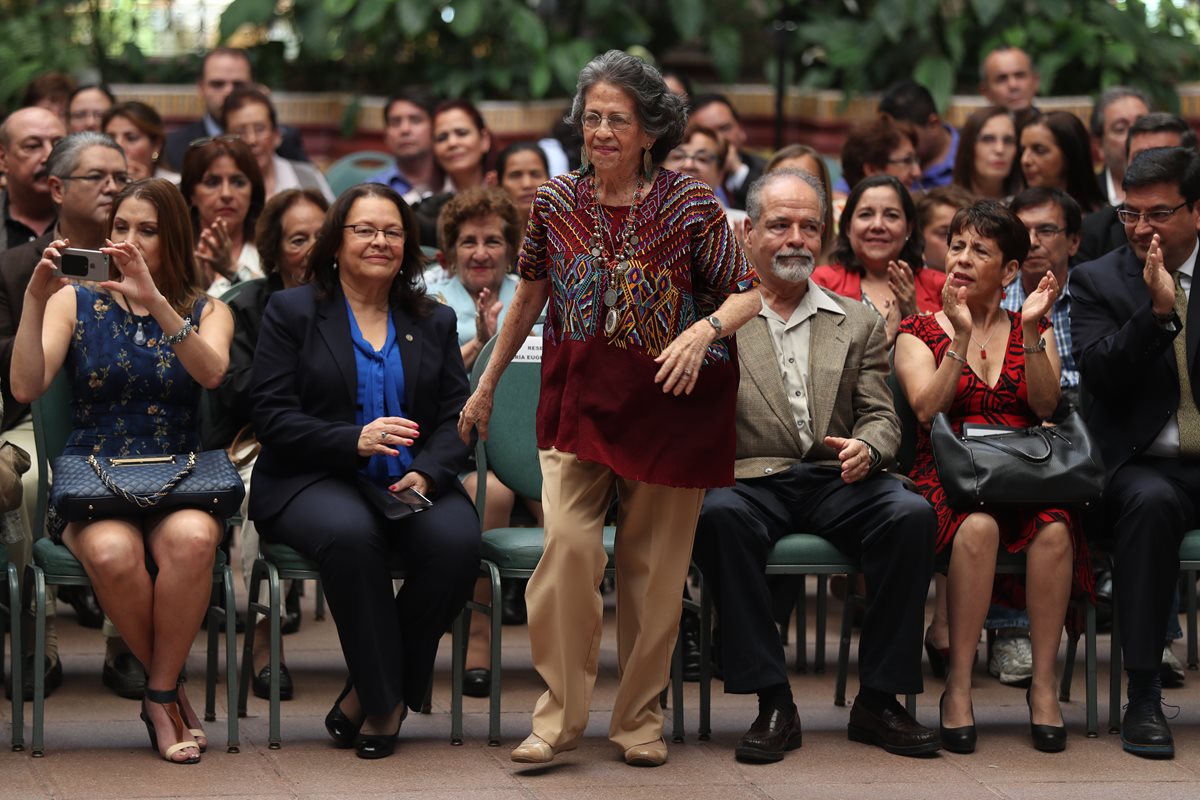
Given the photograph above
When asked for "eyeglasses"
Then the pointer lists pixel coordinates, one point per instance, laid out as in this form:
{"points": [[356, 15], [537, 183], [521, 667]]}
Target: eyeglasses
{"points": [[224, 137], [909, 160], [77, 116], [1042, 232], [98, 179], [259, 130], [702, 158], [1159, 216], [367, 233], [617, 123]]}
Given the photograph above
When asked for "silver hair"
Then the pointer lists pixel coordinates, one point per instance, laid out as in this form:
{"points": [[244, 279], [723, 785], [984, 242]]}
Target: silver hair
{"points": [[64, 158], [661, 114], [754, 193], [1106, 99]]}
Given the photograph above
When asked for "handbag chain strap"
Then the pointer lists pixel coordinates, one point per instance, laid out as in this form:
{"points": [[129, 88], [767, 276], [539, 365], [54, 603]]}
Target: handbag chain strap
{"points": [[150, 500]]}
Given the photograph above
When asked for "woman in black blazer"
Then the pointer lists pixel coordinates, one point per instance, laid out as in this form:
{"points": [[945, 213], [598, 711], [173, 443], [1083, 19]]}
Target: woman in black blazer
{"points": [[358, 379]]}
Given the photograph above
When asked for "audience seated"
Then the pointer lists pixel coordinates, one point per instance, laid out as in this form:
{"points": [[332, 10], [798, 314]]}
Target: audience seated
{"points": [[806, 158], [1057, 153], [715, 111], [249, 114], [1114, 111], [138, 128], [942, 364], [935, 209], [222, 70], [223, 186], [877, 258], [136, 362], [884, 146], [364, 328], [1103, 232], [702, 154], [1133, 330], [284, 235], [520, 169], [986, 164], [87, 106], [1009, 78], [408, 136], [937, 140], [820, 474]]}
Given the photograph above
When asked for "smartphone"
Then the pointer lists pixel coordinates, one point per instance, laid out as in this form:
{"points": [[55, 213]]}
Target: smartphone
{"points": [[82, 265], [411, 497]]}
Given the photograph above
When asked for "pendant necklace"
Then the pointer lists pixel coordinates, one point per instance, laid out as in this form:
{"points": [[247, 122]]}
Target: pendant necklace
{"points": [[139, 335], [983, 347], [616, 255]]}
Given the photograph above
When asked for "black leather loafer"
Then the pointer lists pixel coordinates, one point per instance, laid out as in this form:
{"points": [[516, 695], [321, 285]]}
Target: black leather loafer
{"points": [[893, 729], [956, 740], [773, 733], [125, 676], [477, 682], [1144, 730], [262, 683]]}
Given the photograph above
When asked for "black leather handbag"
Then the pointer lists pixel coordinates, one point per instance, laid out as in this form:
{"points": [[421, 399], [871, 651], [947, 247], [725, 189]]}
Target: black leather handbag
{"points": [[97, 487], [1037, 466]]}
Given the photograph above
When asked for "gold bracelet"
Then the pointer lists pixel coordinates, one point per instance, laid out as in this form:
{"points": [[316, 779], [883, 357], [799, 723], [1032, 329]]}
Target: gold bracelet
{"points": [[955, 356]]}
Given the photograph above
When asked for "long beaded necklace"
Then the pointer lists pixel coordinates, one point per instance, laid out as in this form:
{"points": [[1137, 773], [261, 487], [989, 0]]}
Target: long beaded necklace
{"points": [[615, 259]]}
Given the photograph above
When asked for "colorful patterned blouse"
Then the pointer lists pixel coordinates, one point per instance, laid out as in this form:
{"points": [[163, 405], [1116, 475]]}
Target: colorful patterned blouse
{"points": [[598, 398]]}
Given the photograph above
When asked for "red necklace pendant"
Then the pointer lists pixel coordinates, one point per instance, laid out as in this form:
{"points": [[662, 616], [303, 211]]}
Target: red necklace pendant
{"points": [[983, 354]]}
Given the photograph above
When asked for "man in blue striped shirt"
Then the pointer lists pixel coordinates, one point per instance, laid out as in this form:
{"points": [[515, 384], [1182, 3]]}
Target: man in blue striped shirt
{"points": [[1054, 220]]}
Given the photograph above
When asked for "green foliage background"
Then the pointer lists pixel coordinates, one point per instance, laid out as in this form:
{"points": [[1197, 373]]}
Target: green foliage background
{"points": [[521, 49]]}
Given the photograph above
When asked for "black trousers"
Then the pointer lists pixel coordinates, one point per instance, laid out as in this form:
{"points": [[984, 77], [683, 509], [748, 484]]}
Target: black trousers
{"points": [[389, 641], [888, 528], [1151, 502]]}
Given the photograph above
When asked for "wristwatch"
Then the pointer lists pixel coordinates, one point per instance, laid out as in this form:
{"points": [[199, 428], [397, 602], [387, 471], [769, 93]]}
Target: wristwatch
{"points": [[1037, 348], [873, 454], [1168, 322], [716, 323]]}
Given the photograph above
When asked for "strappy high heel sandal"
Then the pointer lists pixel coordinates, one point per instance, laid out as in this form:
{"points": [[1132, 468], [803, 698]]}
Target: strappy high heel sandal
{"points": [[190, 718], [168, 699]]}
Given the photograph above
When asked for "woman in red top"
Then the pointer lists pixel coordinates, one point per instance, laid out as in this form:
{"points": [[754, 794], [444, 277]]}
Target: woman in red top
{"points": [[643, 278], [978, 363], [879, 254]]}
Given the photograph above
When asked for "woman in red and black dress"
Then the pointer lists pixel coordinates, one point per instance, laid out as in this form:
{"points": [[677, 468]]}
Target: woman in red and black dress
{"points": [[978, 363]]}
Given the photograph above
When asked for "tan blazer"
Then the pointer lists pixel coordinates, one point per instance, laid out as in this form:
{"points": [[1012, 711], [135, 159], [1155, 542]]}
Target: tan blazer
{"points": [[849, 395]]}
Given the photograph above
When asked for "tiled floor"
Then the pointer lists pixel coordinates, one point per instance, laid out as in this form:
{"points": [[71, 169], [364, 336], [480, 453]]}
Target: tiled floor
{"points": [[97, 748]]}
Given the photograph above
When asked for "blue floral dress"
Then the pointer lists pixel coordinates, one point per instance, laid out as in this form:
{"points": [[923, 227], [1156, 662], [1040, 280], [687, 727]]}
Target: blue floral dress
{"points": [[130, 394]]}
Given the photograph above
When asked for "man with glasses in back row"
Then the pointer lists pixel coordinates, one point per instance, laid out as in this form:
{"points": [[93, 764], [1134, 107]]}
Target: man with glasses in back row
{"points": [[1136, 339], [83, 173]]}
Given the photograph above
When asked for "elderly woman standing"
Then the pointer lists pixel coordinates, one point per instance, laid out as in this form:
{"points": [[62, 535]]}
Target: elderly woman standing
{"points": [[644, 281]]}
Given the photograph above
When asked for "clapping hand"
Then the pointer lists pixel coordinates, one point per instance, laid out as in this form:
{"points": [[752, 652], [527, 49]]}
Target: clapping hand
{"points": [[487, 315], [954, 306], [1038, 304], [1158, 280], [903, 285], [214, 251]]}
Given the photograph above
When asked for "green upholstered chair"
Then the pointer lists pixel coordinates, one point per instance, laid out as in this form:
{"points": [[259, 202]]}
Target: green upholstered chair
{"points": [[53, 564], [279, 562], [353, 169], [511, 452]]}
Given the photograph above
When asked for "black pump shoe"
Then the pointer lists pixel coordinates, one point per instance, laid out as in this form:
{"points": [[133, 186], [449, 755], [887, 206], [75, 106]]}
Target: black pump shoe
{"points": [[378, 745], [342, 729], [956, 740], [477, 682], [1046, 738]]}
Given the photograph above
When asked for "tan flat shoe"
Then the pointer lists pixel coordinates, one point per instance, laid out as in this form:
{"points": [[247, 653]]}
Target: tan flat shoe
{"points": [[535, 750], [650, 754]]}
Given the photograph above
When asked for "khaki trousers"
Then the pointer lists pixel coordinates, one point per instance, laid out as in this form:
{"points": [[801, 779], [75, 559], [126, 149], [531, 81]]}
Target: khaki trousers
{"points": [[655, 528]]}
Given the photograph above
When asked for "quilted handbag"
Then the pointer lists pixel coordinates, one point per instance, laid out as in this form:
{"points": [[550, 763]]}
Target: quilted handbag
{"points": [[1038, 466], [97, 487]]}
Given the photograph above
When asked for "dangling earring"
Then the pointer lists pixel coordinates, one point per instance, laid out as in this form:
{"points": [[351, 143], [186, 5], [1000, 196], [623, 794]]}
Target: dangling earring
{"points": [[335, 265], [647, 164], [584, 165]]}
